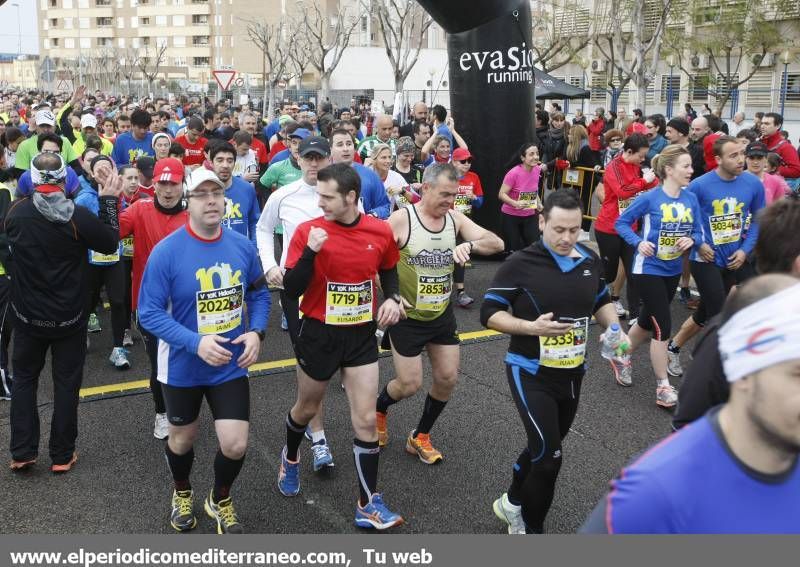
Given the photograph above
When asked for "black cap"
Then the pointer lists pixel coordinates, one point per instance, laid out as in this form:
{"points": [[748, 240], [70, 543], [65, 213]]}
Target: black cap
{"points": [[680, 125], [314, 145], [756, 149], [145, 164]]}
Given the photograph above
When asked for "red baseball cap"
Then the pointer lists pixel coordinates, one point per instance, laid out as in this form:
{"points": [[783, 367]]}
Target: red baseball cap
{"points": [[168, 169], [460, 154]]}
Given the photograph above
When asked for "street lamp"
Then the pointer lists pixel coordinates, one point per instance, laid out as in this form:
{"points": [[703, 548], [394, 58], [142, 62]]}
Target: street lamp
{"points": [[784, 57], [431, 73], [19, 30], [671, 63]]}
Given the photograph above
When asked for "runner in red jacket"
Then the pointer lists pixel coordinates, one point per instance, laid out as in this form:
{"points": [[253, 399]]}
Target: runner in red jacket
{"points": [[149, 222]]}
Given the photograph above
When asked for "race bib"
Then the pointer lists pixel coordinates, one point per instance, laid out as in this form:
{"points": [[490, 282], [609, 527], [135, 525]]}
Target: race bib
{"points": [[127, 247], [348, 303], [667, 248], [623, 204], [463, 204], [433, 292], [567, 350], [725, 229], [100, 258], [219, 310], [529, 198]]}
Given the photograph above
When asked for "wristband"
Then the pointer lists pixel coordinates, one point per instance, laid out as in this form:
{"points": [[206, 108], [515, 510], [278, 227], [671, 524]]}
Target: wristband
{"points": [[471, 245]]}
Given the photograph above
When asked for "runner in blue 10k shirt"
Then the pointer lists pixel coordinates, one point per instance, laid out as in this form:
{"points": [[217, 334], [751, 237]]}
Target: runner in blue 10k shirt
{"points": [[669, 227], [241, 202], [728, 197], [193, 296]]}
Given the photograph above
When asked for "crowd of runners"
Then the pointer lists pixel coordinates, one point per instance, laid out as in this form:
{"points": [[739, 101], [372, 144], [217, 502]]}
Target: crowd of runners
{"points": [[186, 216]]}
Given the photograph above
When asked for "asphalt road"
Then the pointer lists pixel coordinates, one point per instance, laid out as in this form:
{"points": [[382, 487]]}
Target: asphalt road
{"points": [[121, 483]]}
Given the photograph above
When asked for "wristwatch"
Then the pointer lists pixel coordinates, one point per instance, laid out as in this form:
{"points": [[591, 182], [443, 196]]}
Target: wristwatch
{"points": [[396, 297], [261, 334]]}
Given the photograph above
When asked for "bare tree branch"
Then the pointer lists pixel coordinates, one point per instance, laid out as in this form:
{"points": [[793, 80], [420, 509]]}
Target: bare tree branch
{"points": [[403, 25]]}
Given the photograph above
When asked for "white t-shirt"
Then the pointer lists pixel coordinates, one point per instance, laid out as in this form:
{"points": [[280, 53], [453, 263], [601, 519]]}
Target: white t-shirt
{"points": [[247, 163], [395, 181]]}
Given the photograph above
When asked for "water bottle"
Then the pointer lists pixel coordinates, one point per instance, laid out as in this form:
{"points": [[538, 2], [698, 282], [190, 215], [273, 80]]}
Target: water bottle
{"points": [[617, 351], [614, 346]]}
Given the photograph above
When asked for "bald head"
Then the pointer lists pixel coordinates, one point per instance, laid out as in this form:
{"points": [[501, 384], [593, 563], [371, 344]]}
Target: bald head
{"points": [[420, 111], [383, 127], [699, 128]]}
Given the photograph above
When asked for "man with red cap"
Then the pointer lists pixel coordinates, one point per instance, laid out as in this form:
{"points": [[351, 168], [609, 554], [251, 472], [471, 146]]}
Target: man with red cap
{"points": [[149, 222], [470, 194]]}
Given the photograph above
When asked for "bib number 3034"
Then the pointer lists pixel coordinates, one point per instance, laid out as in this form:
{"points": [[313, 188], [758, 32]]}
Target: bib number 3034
{"points": [[219, 310], [567, 350], [348, 303]]}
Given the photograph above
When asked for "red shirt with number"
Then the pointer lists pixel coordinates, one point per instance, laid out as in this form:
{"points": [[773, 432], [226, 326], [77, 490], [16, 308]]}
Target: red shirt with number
{"points": [[194, 152], [343, 288], [470, 182]]}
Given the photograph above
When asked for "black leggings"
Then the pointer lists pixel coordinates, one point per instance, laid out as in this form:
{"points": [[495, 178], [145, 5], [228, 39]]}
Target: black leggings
{"points": [[547, 407], [657, 293], [520, 232], [127, 269], [714, 283], [113, 278], [613, 249], [151, 347]]}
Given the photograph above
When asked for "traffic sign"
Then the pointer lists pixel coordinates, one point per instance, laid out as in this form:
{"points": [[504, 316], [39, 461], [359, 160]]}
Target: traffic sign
{"points": [[184, 84], [48, 69], [224, 77], [65, 85]]}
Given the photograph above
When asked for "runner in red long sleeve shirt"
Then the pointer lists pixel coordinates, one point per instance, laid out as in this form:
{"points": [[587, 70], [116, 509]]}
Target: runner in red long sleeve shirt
{"points": [[622, 181], [771, 131], [150, 221]]}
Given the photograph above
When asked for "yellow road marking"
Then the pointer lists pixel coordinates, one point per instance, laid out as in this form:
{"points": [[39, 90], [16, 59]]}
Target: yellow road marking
{"points": [[259, 367]]}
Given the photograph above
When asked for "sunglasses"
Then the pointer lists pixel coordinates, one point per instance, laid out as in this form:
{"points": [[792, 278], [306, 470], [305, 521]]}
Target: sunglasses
{"points": [[615, 140], [465, 161]]}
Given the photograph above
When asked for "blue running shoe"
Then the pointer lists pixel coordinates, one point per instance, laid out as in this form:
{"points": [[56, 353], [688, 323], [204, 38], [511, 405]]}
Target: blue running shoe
{"points": [[289, 476], [376, 515], [322, 455]]}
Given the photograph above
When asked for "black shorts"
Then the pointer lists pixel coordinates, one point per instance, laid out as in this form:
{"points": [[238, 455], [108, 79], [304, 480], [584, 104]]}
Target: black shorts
{"points": [[410, 336], [322, 349], [229, 400]]}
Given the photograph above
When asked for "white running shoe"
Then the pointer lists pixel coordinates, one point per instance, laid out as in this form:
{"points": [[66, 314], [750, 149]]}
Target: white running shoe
{"points": [[621, 311], [510, 514], [667, 396], [119, 358], [674, 367], [127, 339]]}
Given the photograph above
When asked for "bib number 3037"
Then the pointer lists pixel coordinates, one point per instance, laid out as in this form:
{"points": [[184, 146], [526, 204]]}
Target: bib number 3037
{"points": [[567, 350], [219, 310], [348, 303]]}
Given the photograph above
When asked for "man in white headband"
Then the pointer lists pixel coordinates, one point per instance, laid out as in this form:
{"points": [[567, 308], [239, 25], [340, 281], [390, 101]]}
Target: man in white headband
{"points": [[736, 469]]}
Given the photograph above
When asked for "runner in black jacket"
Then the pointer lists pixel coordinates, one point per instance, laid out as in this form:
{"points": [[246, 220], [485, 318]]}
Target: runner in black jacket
{"points": [[49, 238]]}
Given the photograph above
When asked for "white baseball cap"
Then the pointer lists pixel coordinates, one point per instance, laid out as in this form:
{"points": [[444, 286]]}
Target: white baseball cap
{"points": [[200, 176], [45, 117], [88, 121]]}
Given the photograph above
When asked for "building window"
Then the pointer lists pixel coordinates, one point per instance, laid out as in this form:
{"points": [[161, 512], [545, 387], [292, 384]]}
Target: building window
{"points": [[83, 23], [676, 87], [104, 22], [179, 41], [200, 40], [86, 43], [145, 21], [199, 1], [146, 41], [53, 23], [178, 20], [121, 42], [200, 19], [69, 43], [792, 86], [55, 41], [105, 41], [200, 61], [161, 20], [699, 88], [53, 3], [102, 2]]}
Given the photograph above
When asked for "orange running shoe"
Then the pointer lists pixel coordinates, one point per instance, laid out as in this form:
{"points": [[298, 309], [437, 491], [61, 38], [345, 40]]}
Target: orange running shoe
{"points": [[65, 467], [421, 446], [17, 466], [380, 426]]}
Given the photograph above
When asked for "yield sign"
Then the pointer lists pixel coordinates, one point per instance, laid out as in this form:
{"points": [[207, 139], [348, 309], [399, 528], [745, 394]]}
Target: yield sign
{"points": [[224, 77]]}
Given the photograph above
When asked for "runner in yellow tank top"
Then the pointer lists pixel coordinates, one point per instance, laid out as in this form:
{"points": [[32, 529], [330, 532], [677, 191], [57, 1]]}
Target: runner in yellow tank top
{"points": [[426, 235]]}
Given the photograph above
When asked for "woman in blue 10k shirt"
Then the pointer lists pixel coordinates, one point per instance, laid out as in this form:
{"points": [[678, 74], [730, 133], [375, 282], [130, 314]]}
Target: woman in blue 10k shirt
{"points": [[670, 225]]}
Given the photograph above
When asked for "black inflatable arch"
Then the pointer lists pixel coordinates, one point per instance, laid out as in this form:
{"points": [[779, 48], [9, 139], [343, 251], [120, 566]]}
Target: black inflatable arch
{"points": [[491, 85]]}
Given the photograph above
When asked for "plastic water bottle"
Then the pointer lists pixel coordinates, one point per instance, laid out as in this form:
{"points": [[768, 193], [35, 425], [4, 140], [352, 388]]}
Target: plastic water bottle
{"points": [[614, 346], [616, 350]]}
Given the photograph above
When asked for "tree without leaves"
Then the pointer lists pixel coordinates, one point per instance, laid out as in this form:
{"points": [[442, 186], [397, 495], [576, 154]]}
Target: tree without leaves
{"points": [[557, 37], [300, 54], [150, 63], [643, 43], [128, 64], [326, 35], [270, 40], [728, 34], [403, 24]]}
